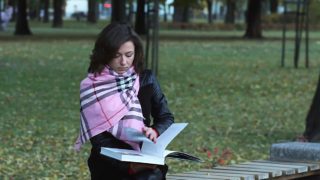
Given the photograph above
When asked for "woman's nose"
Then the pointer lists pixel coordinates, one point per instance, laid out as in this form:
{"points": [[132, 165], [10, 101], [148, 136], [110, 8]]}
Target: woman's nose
{"points": [[123, 60]]}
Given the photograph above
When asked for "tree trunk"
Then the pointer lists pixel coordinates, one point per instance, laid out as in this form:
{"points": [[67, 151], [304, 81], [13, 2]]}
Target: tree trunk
{"points": [[140, 26], [312, 129], [165, 18], [181, 12], [231, 10], [186, 13], [253, 20], [118, 13], [273, 6], [131, 12], [57, 14], [92, 11], [177, 14], [33, 12], [22, 26], [13, 3], [46, 5], [209, 4], [39, 12]]}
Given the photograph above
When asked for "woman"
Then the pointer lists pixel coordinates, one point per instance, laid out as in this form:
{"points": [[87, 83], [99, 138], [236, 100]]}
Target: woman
{"points": [[117, 99]]}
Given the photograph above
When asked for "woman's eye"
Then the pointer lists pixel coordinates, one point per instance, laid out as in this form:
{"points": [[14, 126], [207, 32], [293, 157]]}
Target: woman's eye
{"points": [[129, 55]]}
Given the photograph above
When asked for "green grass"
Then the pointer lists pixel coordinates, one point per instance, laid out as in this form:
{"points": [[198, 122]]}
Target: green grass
{"points": [[233, 94]]}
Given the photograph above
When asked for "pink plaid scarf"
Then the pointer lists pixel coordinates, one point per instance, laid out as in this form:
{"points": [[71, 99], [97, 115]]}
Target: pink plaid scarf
{"points": [[109, 102]]}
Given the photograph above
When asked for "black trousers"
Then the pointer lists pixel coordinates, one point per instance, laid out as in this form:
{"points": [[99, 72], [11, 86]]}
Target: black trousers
{"points": [[102, 167]]}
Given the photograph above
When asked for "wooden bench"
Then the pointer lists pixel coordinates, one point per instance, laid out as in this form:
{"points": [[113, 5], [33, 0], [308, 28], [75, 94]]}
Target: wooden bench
{"points": [[259, 169], [292, 160]]}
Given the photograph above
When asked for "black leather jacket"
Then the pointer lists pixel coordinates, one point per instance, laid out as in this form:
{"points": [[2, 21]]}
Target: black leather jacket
{"points": [[153, 104]]}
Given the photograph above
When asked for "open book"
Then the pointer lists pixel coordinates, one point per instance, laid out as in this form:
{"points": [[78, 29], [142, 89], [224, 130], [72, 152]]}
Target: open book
{"points": [[152, 153]]}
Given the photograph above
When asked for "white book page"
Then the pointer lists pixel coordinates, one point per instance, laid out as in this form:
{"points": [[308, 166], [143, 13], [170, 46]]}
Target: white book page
{"points": [[166, 152], [158, 148], [131, 156]]}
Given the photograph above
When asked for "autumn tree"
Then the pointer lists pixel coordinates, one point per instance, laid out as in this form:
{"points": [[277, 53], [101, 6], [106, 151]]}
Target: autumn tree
{"points": [[140, 24], [231, 10], [46, 5], [130, 12], [273, 6], [34, 9], [57, 14], [163, 3], [22, 25], [118, 13], [209, 7], [253, 20], [92, 11], [183, 9]]}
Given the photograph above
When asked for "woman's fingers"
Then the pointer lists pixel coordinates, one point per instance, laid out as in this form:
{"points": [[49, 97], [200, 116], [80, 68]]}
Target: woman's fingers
{"points": [[150, 133]]}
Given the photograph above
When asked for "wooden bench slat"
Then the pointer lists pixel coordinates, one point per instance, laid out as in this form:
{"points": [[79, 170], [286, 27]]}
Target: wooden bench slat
{"points": [[216, 175], [300, 175], [311, 166], [225, 174], [257, 169], [285, 170], [302, 168], [261, 174], [297, 168], [246, 173], [201, 176], [175, 177], [275, 171]]}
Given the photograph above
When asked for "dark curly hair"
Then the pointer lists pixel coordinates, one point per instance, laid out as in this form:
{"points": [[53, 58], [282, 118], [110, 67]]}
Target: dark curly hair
{"points": [[108, 43]]}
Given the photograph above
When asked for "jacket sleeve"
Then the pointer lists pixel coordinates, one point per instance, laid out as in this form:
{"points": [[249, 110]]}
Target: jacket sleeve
{"points": [[162, 117]]}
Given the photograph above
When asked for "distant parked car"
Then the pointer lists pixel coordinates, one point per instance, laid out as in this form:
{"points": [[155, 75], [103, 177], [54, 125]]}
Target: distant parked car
{"points": [[78, 15]]}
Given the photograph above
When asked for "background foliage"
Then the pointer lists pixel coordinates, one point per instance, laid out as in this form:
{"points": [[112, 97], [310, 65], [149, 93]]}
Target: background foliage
{"points": [[232, 93]]}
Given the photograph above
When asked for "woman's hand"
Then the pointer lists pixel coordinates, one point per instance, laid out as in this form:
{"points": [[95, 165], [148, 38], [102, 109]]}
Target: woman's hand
{"points": [[150, 133]]}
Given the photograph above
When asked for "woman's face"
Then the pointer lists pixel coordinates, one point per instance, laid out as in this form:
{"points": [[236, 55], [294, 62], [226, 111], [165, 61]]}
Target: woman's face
{"points": [[124, 58]]}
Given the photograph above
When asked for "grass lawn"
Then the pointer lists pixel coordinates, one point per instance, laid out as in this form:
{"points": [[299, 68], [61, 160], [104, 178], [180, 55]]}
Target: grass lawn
{"points": [[233, 94]]}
